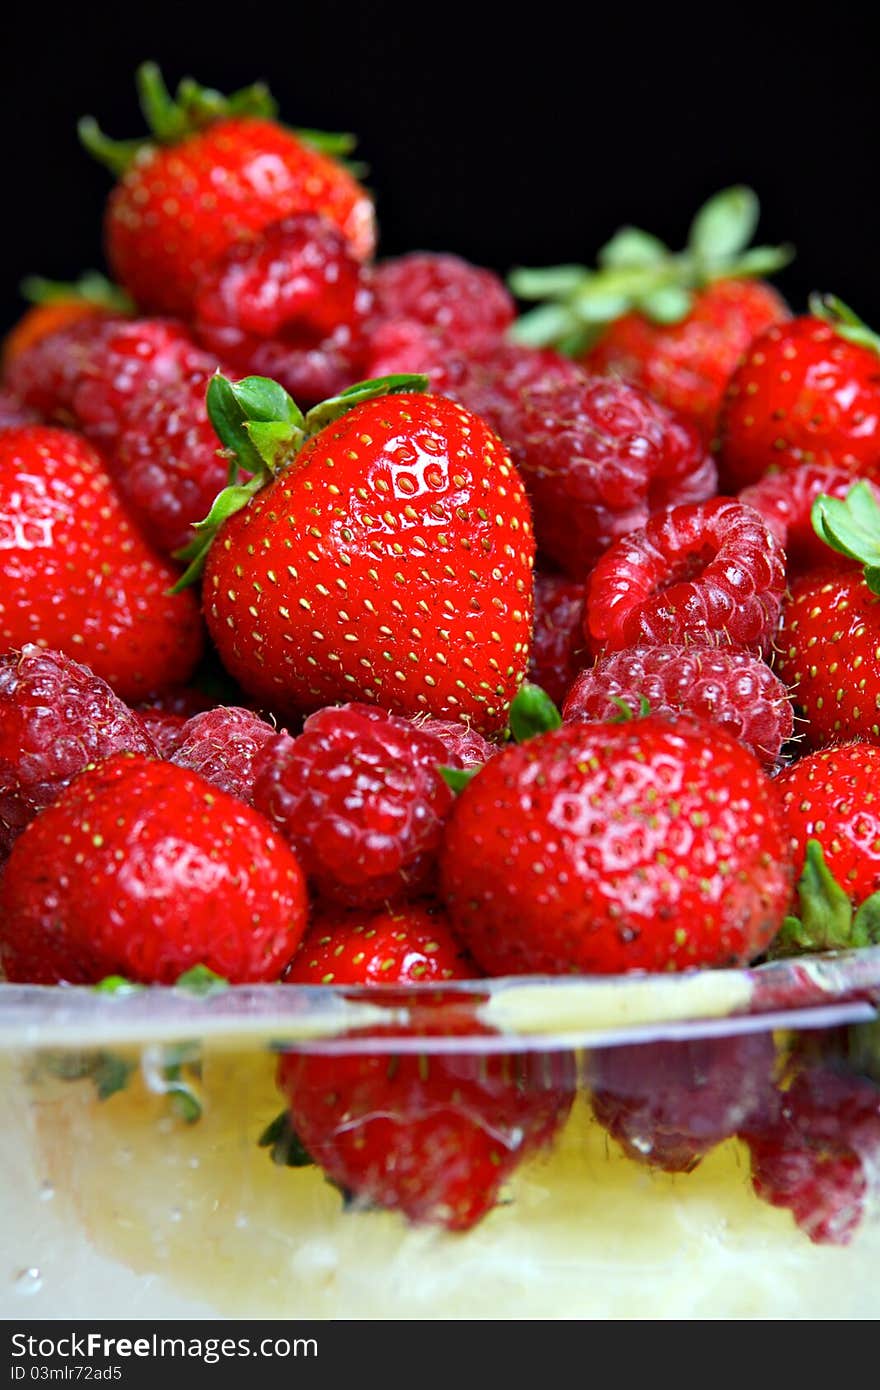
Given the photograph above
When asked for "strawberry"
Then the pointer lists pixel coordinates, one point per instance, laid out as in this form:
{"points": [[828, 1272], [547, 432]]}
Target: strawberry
{"points": [[382, 551], [674, 325], [807, 392], [831, 797], [215, 171], [431, 1136], [57, 306], [653, 844], [785, 501], [411, 944], [141, 869], [77, 575], [829, 643]]}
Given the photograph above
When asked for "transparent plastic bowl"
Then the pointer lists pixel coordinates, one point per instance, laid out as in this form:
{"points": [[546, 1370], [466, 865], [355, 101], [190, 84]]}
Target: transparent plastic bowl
{"points": [[130, 1206]]}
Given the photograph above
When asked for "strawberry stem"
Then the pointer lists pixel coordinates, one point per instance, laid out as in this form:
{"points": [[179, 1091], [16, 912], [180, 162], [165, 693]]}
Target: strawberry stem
{"points": [[844, 320], [91, 288]]}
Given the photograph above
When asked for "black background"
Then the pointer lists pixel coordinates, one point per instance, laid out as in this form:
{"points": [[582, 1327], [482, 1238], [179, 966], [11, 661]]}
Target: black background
{"points": [[508, 136]]}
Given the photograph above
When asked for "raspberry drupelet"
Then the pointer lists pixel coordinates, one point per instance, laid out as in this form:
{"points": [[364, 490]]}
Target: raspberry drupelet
{"points": [[359, 796]]}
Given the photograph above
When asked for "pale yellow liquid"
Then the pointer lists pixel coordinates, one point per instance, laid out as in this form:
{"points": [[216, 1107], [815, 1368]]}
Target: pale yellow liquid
{"points": [[117, 1208]]}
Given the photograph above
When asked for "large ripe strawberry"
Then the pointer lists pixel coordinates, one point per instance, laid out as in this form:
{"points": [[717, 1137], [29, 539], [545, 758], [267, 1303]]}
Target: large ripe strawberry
{"points": [[807, 392], [433, 1136], [382, 551], [828, 649], [673, 324], [410, 944], [142, 869], [653, 844], [76, 574], [214, 171]]}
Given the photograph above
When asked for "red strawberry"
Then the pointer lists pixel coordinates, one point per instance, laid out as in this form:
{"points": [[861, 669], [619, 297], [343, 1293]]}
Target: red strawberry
{"points": [[412, 944], [807, 392], [733, 689], [817, 1153], [215, 172], [831, 797], [711, 574], [785, 501], [77, 575], [434, 1137], [142, 869], [389, 559], [674, 325], [653, 844], [55, 718]]}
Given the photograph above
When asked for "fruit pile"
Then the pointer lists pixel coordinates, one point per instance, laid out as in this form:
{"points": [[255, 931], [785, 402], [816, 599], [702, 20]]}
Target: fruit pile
{"points": [[292, 539]]}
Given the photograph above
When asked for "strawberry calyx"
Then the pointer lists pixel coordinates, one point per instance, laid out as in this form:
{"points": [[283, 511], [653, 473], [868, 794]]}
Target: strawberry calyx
{"points": [[284, 1144], [532, 712], [638, 272], [827, 921], [262, 429], [844, 320], [192, 108], [92, 288], [851, 526]]}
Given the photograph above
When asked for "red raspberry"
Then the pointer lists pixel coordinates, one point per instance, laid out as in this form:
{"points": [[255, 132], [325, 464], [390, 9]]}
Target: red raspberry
{"points": [[164, 727], [46, 374], [598, 457], [360, 798], [464, 746], [290, 304], [14, 412], [712, 574], [731, 688], [818, 1154], [403, 345], [128, 360], [222, 746], [785, 501], [829, 796], [411, 944], [669, 1104], [491, 384], [167, 461], [558, 650], [55, 718], [468, 308]]}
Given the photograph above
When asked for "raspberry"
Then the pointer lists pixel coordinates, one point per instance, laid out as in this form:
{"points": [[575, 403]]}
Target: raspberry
{"points": [[669, 1104], [829, 796], [818, 1153], [359, 796], [730, 688], [130, 359], [464, 747], [598, 457], [491, 384], [222, 745], [403, 345], [558, 650], [14, 412], [45, 375], [164, 727], [166, 462], [290, 304], [710, 573], [785, 500], [468, 308], [55, 718], [411, 944]]}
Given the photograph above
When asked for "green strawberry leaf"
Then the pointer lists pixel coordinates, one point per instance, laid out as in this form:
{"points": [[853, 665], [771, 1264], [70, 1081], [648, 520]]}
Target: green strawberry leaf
{"points": [[667, 305], [201, 980], [758, 262], [458, 777], [549, 282], [630, 246], [233, 406], [116, 155], [851, 526], [91, 288], [231, 500], [724, 225], [549, 324], [116, 984], [284, 1144], [531, 713], [826, 921], [844, 320]]}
